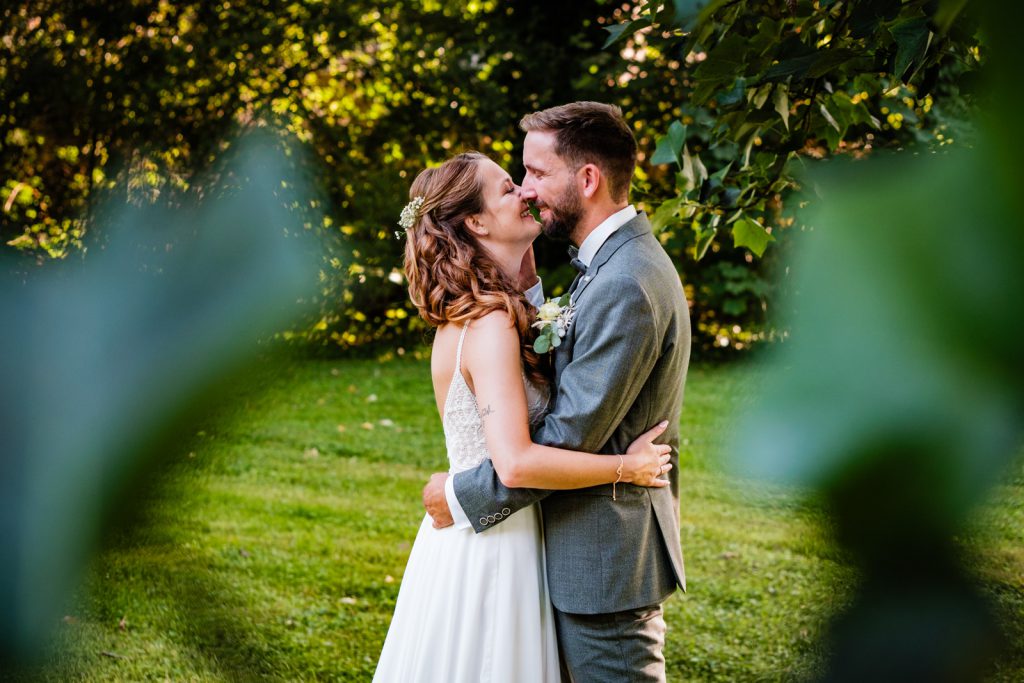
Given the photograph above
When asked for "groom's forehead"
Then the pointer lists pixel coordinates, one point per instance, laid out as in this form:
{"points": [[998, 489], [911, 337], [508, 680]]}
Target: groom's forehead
{"points": [[540, 141], [539, 150]]}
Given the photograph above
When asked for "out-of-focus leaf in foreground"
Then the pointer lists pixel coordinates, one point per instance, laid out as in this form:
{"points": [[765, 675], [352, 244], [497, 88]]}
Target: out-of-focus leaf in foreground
{"points": [[100, 359], [901, 398]]}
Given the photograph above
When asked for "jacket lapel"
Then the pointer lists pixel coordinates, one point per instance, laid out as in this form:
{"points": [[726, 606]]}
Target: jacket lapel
{"points": [[635, 227]]}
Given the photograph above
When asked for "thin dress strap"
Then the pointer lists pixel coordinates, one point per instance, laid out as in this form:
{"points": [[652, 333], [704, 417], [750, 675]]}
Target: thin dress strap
{"points": [[458, 351]]}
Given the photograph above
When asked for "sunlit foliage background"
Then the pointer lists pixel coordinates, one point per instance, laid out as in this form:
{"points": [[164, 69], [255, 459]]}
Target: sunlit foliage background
{"points": [[134, 99]]}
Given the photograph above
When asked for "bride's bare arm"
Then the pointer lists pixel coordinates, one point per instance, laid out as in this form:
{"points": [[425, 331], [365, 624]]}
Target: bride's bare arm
{"points": [[491, 357]]}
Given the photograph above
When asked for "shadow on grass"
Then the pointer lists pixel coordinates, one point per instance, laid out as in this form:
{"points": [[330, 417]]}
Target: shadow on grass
{"points": [[222, 630]]}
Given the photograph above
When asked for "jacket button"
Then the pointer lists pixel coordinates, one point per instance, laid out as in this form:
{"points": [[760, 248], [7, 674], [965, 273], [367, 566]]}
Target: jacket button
{"points": [[506, 511], [483, 521]]}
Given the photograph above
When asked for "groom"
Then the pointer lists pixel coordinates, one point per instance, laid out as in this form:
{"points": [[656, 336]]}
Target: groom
{"points": [[620, 369]]}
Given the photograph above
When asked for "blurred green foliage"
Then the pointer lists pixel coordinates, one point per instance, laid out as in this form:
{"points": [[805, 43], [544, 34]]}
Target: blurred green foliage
{"points": [[900, 400], [102, 97], [103, 361], [763, 89]]}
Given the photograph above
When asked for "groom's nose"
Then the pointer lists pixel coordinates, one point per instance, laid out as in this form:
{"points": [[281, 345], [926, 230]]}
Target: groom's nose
{"points": [[526, 191]]}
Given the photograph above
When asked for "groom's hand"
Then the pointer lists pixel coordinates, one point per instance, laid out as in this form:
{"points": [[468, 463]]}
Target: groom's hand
{"points": [[435, 502]]}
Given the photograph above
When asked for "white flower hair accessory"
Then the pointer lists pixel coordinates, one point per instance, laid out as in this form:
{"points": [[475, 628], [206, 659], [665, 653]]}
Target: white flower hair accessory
{"points": [[553, 320], [409, 215]]}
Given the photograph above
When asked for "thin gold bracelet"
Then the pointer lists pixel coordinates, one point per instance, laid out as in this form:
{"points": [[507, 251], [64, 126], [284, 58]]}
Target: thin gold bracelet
{"points": [[619, 473]]}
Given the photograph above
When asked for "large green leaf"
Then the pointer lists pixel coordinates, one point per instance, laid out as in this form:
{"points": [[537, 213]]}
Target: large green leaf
{"points": [[780, 99], [796, 66], [828, 117], [829, 59], [687, 170], [866, 15], [734, 94], [759, 95], [690, 13], [746, 232], [621, 31], [670, 146], [726, 60], [703, 243], [912, 40], [665, 214]]}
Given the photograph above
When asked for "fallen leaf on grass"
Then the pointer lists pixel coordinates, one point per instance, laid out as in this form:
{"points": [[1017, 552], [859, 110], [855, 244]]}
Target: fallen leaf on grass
{"points": [[348, 600], [123, 624], [386, 423], [341, 428], [311, 453], [367, 425]]}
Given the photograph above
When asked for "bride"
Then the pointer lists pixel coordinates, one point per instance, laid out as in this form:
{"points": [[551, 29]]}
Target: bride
{"points": [[474, 607]]}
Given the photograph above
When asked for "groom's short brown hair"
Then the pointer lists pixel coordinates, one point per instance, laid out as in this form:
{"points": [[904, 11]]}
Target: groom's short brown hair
{"points": [[591, 133]]}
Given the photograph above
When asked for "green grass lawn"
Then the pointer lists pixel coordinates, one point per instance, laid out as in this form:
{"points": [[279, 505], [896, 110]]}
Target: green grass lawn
{"points": [[274, 545]]}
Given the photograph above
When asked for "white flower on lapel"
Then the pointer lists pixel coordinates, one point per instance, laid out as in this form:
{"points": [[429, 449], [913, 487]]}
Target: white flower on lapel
{"points": [[553, 320], [549, 311]]}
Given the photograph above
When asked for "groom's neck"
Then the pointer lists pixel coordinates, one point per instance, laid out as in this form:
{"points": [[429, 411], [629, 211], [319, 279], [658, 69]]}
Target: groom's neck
{"points": [[593, 216]]}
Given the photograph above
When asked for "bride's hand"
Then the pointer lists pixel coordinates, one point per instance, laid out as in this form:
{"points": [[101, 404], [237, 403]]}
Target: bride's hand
{"points": [[645, 461]]}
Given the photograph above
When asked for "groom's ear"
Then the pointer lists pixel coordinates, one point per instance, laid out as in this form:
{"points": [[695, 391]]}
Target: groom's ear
{"points": [[474, 225], [589, 179]]}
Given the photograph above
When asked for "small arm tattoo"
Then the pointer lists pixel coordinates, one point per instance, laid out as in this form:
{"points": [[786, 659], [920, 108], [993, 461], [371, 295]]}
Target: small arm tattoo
{"points": [[484, 412]]}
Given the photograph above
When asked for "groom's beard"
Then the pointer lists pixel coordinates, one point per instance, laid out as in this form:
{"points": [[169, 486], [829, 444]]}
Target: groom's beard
{"points": [[565, 215]]}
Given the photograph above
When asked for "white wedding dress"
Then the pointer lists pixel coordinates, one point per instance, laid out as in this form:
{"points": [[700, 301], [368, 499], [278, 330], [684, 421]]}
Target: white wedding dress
{"points": [[473, 607]]}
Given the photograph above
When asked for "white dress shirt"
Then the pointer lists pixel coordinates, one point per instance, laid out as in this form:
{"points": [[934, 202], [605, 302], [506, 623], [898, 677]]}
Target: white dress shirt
{"points": [[599, 235], [535, 295]]}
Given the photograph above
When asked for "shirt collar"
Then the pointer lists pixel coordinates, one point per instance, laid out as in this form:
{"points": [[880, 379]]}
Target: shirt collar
{"points": [[599, 235]]}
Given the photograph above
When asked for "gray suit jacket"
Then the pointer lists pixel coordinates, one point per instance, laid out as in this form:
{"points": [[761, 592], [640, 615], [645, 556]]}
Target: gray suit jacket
{"points": [[619, 370]]}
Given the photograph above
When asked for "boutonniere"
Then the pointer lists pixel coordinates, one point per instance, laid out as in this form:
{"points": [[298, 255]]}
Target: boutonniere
{"points": [[553, 319]]}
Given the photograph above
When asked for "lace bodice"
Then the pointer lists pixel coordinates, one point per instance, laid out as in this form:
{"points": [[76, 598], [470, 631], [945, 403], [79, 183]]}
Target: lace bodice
{"points": [[463, 428]]}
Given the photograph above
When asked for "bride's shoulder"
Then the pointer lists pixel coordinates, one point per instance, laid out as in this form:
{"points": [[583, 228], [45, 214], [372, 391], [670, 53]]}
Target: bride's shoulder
{"points": [[492, 337], [495, 322]]}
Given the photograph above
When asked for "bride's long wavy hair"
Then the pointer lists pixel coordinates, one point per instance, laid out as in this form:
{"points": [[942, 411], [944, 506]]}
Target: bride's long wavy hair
{"points": [[452, 277]]}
